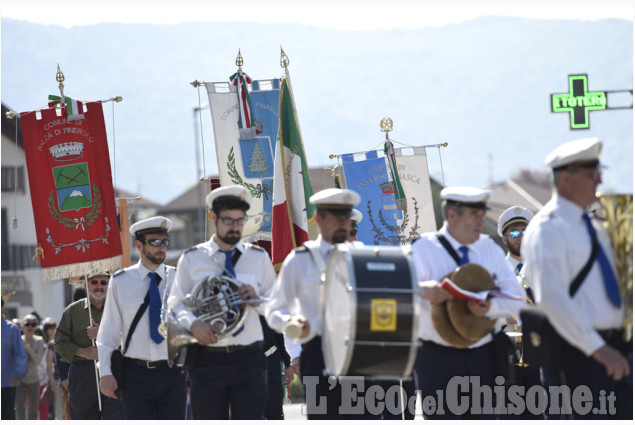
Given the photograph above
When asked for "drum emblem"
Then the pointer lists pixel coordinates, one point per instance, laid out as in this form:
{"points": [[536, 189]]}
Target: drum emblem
{"points": [[383, 315]]}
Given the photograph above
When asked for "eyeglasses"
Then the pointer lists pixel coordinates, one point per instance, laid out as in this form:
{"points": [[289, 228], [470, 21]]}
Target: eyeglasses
{"points": [[30, 324], [228, 221], [158, 242], [515, 233], [95, 282]]}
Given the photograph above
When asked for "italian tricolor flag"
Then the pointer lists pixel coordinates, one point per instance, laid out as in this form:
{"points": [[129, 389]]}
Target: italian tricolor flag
{"points": [[292, 211]]}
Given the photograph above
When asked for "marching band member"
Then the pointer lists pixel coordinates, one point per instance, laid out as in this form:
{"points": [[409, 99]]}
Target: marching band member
{"points": [[511, 228], [296, 297], [438, 362], [557, 246], [227, 372], [151, 388]]}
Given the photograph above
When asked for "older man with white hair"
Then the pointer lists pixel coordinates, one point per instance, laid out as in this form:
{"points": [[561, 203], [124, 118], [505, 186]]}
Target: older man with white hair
{"points": [[571, 265]]}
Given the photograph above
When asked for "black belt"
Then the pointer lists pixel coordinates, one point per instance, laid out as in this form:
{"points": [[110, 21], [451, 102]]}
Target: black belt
{"points": [[146, 363], [83, 362], [229, 348]]}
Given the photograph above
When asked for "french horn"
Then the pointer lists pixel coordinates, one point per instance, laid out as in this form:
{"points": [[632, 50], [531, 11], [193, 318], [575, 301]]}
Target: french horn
{"points": [[214, 300]]}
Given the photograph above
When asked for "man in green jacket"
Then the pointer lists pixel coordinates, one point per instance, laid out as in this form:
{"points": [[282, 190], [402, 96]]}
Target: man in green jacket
{"points": [[74, 343]]}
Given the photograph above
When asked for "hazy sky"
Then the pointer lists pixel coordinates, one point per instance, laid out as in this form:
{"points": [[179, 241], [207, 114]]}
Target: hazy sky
{"points": [[345, 15]]}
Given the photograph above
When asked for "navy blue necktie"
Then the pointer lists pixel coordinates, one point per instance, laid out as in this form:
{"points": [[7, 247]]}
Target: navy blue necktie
{"points": [[519, 266], [230, 268], [228, 261], [610, 282], [464, 258], [155, 308]]}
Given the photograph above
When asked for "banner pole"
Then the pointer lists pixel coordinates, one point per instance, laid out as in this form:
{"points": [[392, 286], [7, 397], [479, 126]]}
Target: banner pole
{"points": [[124, 226]]}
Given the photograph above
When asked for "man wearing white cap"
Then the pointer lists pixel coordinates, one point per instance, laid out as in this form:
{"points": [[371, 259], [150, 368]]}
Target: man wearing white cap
{"points": [[296, 300], [571, 266], [229, 371], [511, 228], [356, 218], [151, 389], [435, 255], [74, 343]]}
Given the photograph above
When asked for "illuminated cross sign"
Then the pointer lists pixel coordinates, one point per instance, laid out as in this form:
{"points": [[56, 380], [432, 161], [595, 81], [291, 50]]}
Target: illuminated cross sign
{"points": [[578, 102]]}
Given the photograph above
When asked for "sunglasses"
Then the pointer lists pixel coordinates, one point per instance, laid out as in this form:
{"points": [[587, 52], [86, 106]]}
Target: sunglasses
{"points": [[228, 221], [30, 324], [158, 242], [515, 233], [95, 282]]}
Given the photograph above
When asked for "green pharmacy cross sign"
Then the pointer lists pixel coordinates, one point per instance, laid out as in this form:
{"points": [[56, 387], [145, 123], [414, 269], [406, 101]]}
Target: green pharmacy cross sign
{"points": [[578, 102]]}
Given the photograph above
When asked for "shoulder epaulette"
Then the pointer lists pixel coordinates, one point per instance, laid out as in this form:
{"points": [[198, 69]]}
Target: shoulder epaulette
{"points": [[118, 272], [258, 247], [301, 248], [413, 240], [189, 249]]}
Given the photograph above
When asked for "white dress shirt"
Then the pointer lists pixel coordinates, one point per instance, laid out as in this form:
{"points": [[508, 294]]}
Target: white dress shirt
{"points": [[556, 246], [298, 290], [433, 262], [205, 260], [126, 292], [514, 262]]}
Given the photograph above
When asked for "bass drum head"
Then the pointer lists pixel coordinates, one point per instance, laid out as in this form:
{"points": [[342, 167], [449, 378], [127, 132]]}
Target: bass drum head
{"points": [[339, 314]]}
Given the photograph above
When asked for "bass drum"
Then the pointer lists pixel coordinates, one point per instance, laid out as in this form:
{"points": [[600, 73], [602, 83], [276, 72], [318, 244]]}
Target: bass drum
{"points": [[371, 312]]}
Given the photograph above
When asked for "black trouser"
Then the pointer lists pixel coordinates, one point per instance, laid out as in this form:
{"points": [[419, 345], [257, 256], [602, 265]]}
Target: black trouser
{"points": [[526, 378], [153, 393], [82, 394], [578, 370], [275, 393], [8, 403], [222, 380], [438, 365], [403, 406], [318, 391]]}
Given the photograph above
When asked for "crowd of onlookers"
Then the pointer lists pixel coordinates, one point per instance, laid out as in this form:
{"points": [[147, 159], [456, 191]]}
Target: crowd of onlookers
{"points": [[40, 392]]}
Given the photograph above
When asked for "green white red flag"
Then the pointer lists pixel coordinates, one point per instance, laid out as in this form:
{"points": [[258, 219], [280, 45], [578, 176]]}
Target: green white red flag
{"points": [[292, 211]]}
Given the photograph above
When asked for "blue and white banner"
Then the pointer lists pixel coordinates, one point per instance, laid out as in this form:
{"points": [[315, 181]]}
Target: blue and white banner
{"points": [[383, 222], [247, 162]]}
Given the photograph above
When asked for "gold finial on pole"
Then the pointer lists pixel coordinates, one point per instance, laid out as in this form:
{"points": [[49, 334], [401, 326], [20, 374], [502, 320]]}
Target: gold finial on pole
{"points": [[239, 60], [10, 115], [284, 59], [59, 77], [386, 125], [117, 99]]}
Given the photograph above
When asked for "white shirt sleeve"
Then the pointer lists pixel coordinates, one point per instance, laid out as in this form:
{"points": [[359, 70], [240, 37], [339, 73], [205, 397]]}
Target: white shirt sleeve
{"points": [[109, 335]]}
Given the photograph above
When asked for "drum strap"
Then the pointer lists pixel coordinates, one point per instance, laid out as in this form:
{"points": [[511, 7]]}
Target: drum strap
{"points": [[318, 259], [449, 248]]}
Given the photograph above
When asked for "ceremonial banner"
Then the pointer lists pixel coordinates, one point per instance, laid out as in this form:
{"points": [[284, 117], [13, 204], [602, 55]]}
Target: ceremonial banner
{"points": [[384, 223], [247, 162], [292, 210], [71, 192]]}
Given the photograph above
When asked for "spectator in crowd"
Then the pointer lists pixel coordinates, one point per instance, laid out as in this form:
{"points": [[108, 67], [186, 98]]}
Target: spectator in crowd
{"points": [[30, 384], [14, 360], [58, 406]]}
